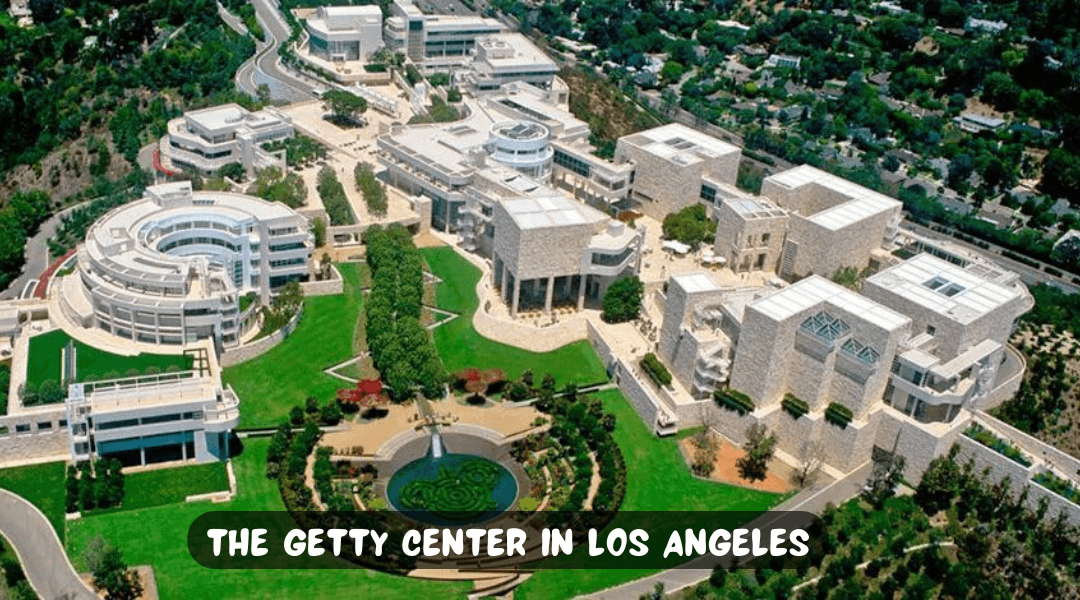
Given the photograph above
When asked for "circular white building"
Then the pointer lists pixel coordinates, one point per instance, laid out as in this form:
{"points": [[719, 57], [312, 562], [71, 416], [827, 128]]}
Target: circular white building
{"points": [[522, 145], [171, 268]]}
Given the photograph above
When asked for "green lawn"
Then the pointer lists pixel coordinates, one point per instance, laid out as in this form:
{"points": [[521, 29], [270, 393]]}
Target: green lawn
{"points": [[271, 384], [657, 479], [172, 485], [460, 346], [43, 486], [46, 363], [158, 536]]}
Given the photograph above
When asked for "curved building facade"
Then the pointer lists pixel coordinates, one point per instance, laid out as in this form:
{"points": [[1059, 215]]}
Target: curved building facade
{"points": [[170, 268], [524, 146]]}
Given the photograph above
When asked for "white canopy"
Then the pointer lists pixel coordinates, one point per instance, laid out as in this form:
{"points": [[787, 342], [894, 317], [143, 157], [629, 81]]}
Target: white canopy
{"points": [[676, 247]]}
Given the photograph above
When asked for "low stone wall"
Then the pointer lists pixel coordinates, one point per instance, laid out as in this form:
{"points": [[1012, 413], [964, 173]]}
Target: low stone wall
{"points": [[607, 355], [327, 287], [1036, 448], [235, 356], [33, 436], [645, 402]]}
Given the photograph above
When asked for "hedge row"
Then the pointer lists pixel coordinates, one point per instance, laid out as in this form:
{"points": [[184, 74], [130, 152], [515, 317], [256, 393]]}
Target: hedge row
{"points": [[838, 414], [333, 198], [374, 192], [796, 407], [735, 400], [656, 369]]}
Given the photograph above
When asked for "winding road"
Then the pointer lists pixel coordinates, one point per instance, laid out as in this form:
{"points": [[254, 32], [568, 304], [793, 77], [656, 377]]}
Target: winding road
{"points": [[39, 549], [265, 67]]}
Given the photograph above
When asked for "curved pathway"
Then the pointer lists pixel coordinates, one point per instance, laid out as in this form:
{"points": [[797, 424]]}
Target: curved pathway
{"points": [[39, 549]]}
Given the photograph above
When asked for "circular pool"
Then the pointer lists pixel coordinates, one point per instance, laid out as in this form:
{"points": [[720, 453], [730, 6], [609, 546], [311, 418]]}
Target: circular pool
{"points": [[454, 489]]}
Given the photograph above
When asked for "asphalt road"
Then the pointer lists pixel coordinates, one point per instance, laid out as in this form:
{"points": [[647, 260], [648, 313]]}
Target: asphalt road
{"points": [[37, 255], [267, 61], [40, 551]]}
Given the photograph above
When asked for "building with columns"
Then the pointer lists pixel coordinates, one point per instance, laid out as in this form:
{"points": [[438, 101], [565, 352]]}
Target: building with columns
{"points": [[171, 268], [552, 251], [203, 141]]}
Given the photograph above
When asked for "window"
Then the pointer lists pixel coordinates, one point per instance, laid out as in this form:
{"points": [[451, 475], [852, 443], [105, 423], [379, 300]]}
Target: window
{"points": [[765, 239], [825, 326], [911, 402], [896, 366], [760, 262], [930, 330], [917, 377], [708, 193]]}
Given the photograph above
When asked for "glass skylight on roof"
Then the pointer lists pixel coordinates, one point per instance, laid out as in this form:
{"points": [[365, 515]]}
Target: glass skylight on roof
{"points": [[825, 326], [943, 286], [862, 352]]}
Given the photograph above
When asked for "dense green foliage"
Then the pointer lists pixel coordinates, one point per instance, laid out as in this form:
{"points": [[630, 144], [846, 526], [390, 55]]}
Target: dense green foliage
{"points": [[401, 347], [622, 299], [69, 75], [656, 370], [758, 450], [300, 150], [333, 198], [273, 185], [1040, 401], [374, 191], [102, 487], [19, 219], [5, 383], [459, 493], [690, 225]]}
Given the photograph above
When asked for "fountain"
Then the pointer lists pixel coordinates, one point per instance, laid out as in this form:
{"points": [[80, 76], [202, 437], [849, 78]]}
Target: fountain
{"points": [[436, 446]]}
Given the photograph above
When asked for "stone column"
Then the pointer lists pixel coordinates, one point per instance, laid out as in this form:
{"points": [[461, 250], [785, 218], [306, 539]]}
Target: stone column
{"points": [[517, 294], [142, 456], [582, 281], [547, 294], [505, 289]]}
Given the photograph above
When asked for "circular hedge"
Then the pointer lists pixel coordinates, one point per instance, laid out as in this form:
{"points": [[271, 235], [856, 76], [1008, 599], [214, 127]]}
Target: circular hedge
{"points": [[459, 493]]}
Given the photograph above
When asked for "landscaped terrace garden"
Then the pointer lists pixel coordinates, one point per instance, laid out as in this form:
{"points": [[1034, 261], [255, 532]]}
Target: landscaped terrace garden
{"points": [[990, 440], [46, 363]]}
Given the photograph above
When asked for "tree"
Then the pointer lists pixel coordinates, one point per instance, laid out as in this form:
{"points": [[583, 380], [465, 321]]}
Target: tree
{"points": [[881, 486], [330, 413], [345, 107], [112, 576], [622, 300], [318, 229], [45, 11], [690, 225], [813, 457], [759, 448], [1067, 252], [890, 163]]}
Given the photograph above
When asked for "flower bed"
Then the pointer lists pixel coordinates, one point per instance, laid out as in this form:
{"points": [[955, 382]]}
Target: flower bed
{"points": [[838, 415], [990, 440]]}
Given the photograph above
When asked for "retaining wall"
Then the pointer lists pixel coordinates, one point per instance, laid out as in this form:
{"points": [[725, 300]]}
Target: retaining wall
{"points": [[34, 436], [327, 287], [235, 356]]}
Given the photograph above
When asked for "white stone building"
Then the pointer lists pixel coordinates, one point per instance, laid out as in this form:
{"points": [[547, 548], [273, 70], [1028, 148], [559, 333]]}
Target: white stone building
{"points": [[552, 251], [424, 37], [507, 57], [671, 165], [922, 345], [154, 418], [344, 33], [171, 268], [205, 140]]}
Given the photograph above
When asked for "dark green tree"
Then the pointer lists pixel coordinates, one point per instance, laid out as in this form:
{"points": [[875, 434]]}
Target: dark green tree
{"points": [[622, 300]]}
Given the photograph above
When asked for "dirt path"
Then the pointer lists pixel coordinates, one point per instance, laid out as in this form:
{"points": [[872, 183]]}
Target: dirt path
{"points": [[726, 470]]}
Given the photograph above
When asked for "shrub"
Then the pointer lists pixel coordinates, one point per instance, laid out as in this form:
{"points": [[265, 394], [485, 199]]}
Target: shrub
{"points": [[656, 370], [987, 438], [838, 415], [796, 407], [333, 197], [374, 192], [735, 400]]}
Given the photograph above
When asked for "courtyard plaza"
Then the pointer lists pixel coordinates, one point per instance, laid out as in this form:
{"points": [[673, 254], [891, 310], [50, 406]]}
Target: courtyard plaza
{"points": [[403, 422]]}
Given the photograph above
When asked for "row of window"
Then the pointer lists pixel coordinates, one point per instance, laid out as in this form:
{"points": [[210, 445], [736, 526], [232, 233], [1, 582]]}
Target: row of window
{"points": [[153, 420]]}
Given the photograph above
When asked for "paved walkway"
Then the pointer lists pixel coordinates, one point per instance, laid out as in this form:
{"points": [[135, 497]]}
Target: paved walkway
{"points": [[699, 569], [40, 551], [37, 254]]}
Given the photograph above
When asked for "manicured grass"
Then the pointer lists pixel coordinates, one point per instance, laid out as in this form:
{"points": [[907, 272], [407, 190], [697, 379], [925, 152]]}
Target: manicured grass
{"points": [[169, 486], [43, 486], [158, 536], [45, 360], [271, 384], [460, 346], [657, 479]]}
